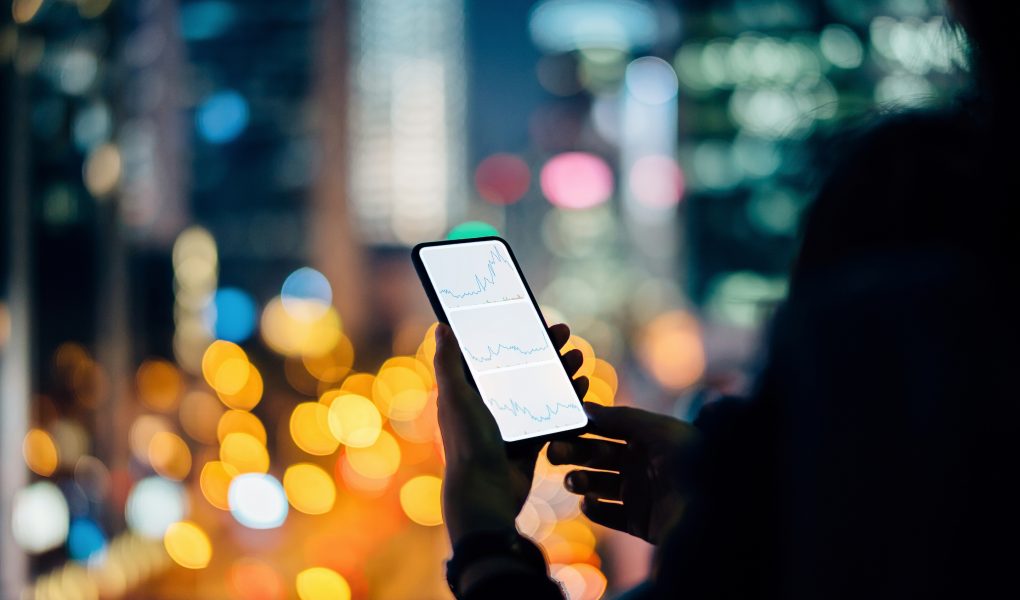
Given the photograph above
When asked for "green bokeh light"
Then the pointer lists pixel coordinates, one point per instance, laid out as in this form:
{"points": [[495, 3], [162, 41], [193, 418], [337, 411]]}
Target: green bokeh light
{"points": [[471, 229]]}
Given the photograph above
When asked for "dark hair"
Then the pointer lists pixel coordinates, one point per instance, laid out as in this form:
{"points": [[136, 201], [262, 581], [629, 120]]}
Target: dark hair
{"points": [[991, 28]]}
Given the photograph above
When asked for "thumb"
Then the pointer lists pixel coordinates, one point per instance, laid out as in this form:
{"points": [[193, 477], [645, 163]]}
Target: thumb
{"points": [[448, 364]]}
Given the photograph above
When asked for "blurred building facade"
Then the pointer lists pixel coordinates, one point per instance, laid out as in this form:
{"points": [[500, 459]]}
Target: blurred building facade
{"points": [[208, 206]]}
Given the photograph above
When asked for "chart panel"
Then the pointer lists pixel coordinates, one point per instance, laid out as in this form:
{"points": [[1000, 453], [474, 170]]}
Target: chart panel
{"points": [[473, 274], [537, 401]]}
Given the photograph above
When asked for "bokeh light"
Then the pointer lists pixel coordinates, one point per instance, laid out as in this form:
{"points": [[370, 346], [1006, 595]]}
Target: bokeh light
{"points": [[656, 181], [310, 428], [307, 328], [144, 428], [670, 348], [502, 179], [233, 314], [472, 229], [331, 367], [250, 393], [199, 414], [159, 385], [257, 501], [214, 481], [225, 367], [222, 117], [240, 421], [40, 452], [306, 293], [40, 518], [153, 504], [309, 489], [576, 180], [378, 461], [320, 583], [169, 455], [244, 452], [401, 388], [651, 80], [354, 420], [420, 498], [102, 170], [188, 545], [254, 579], [85, 539]]}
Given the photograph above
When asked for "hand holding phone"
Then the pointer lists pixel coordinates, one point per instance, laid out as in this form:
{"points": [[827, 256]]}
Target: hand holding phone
{"points": [[484, 486], [476, 286]]}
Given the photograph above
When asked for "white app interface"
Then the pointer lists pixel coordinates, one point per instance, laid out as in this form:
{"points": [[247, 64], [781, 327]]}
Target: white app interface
{"points": [[515, 367]]}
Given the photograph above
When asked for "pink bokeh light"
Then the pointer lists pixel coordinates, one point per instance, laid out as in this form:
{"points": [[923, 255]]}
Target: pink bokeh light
{"points": [[656, 180], [576, 180]]}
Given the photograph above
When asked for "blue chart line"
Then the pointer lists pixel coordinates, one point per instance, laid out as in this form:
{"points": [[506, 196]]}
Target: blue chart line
{"points": [[483, 282], [493, 353], [516, 409]]}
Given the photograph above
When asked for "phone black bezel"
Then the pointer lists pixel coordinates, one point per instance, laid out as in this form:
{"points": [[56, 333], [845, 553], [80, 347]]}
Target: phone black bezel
{"points": [[513, 447]]}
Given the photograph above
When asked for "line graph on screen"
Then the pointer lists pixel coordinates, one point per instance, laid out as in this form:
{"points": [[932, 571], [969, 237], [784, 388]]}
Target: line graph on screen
{"points": [[516, 409], [497, 281], [495, 352]]}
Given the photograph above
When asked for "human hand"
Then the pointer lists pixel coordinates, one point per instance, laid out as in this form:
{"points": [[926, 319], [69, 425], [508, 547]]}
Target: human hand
{"points": [[483, 489], [638, 477]]}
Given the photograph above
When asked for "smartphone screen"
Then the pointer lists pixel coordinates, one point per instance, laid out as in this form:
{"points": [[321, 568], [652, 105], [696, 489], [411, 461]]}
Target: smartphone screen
{"points": [[503, 337]]}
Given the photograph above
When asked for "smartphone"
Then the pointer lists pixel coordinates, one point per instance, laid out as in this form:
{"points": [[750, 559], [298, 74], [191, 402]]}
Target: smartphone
{"points": [[477, 287]]}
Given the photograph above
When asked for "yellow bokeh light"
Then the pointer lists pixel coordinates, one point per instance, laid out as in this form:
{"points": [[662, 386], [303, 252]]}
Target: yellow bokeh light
{"points": [[141, 433], [599, 392], [102, 170], [288, 331], [420, 498], [232, 376], [169, 455], [24, 10], [334, 365], [40, 452], [587, 352], [248, 396], [401, 388], [320, 583], [199, 414], [423, 428], [240, 421], [309, 488], [359, 383], [215, 483], [354, 420], [159, 385], [245, 453], [188, 545], [225, 367], [356, 481], [378, 461], [606, 372], [309, 427], [670, 348]]}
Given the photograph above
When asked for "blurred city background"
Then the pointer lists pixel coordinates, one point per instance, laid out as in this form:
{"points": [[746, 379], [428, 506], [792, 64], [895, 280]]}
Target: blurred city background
{"points": [[216, 358]]}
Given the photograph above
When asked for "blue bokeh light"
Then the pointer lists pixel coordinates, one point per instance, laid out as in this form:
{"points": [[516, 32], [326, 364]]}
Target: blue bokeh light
{"points": [[85, 539], [206, 20], [232, 315], [222, 116], [306, 288]]}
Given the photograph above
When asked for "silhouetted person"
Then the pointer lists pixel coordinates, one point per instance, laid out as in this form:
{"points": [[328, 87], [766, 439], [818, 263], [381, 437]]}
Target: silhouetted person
{"points": [[876, 456]]}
